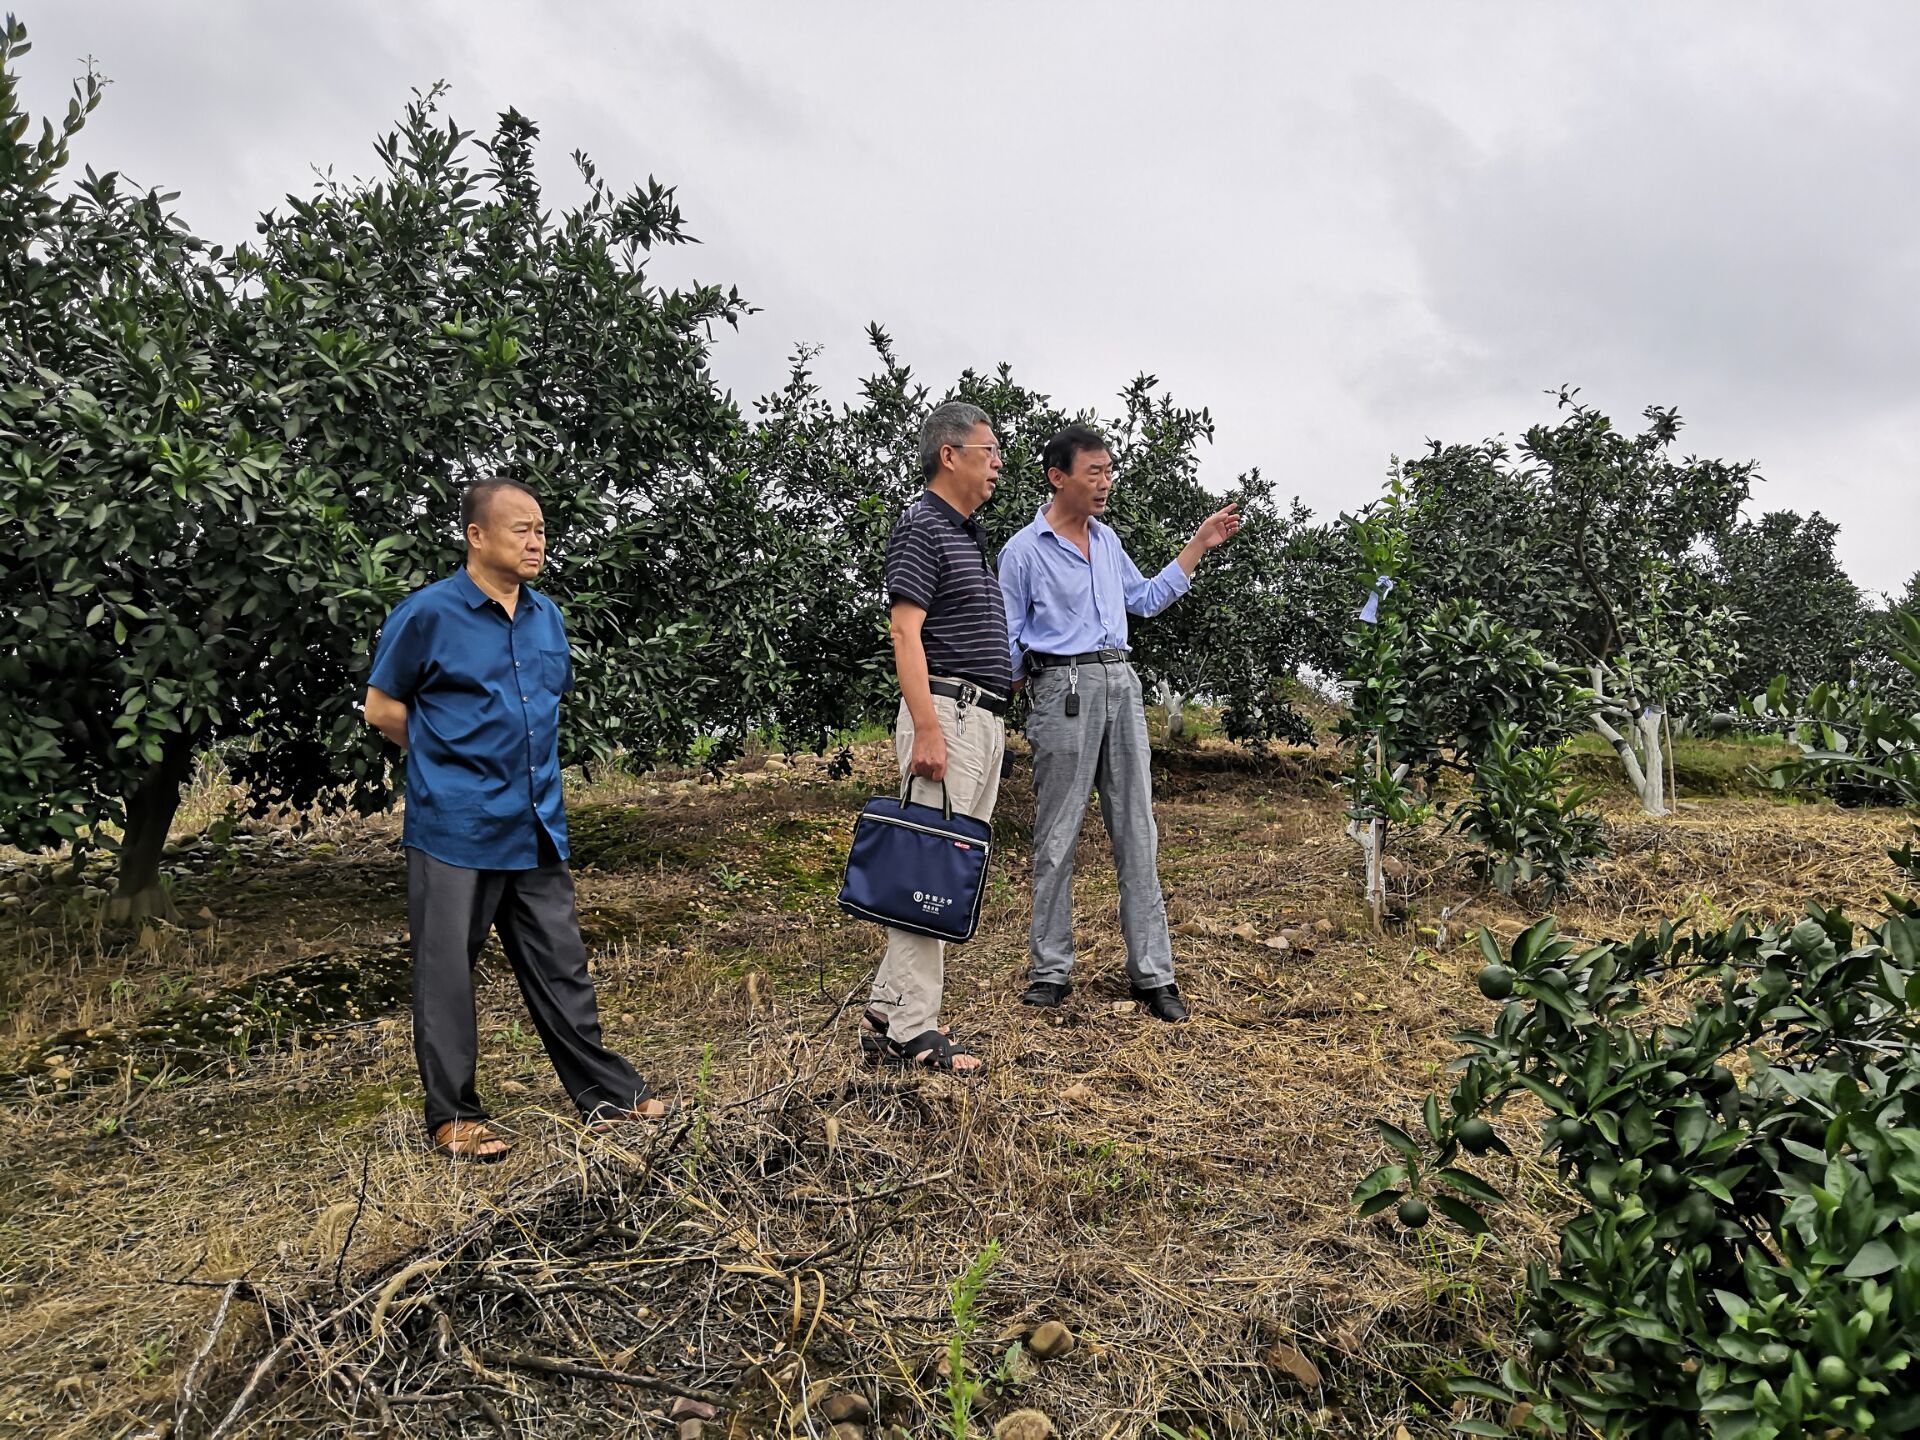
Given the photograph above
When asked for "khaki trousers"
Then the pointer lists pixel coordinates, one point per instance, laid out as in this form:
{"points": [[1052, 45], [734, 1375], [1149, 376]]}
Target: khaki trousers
{"points": [[913, 972]]}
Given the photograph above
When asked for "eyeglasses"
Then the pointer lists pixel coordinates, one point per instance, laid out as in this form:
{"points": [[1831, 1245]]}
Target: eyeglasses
{"points": [[994, 448]]}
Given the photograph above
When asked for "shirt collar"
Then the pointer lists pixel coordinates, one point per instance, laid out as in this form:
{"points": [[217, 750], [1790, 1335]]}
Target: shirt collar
{"points": [[951, 515], [1042, 528], [477, 598], [965, 524]]}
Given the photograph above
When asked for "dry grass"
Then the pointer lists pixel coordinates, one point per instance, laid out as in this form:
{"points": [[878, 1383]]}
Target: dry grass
{"points": [[1175, 1194]]}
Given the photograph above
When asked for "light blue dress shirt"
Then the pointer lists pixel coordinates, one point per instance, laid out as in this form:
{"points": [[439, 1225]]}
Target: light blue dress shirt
{"points": [[1061, 602]]}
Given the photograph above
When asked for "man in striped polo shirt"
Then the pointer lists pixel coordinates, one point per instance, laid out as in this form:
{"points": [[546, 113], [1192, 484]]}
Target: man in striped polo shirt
{"points": [[949, 629]]}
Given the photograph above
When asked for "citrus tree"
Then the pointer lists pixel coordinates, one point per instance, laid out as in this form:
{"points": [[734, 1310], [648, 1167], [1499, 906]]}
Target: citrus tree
{"points": [[1433, 687], [1593, 540], [839, 476], [1741, 1258], [1859, 741], [1799, 616], [221, 469]]}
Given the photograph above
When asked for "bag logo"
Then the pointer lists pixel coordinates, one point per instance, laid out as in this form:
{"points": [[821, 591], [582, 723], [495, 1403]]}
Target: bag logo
{"points": [[932, 904]]}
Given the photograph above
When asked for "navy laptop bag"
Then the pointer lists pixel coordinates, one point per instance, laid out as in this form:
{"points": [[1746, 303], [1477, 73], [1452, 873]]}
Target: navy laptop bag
{"points": [[917, 867]]}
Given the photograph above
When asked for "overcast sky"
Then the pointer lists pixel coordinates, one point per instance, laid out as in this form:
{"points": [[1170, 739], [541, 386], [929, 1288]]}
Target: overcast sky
{"points": [[1343, 228]]}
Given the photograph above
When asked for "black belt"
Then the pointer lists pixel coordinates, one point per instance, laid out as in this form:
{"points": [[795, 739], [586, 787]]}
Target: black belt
{"points": [[1038, 661], [968, 693]]}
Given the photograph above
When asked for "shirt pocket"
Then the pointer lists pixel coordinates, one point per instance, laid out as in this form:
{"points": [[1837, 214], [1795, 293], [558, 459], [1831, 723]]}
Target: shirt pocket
{"points": [[553, 670]]}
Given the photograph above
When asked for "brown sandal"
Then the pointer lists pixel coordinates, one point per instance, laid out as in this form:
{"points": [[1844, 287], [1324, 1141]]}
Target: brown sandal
{"points": [[469, 1140]]}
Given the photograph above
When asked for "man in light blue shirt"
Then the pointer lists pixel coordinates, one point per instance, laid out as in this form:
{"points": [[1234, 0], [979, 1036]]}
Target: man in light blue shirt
{"points": [[1069, 587]]}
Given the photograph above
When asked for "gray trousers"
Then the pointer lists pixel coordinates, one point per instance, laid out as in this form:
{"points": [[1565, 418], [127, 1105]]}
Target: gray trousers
{"points": [[449, 912], [912, 977], [1102, 748]]}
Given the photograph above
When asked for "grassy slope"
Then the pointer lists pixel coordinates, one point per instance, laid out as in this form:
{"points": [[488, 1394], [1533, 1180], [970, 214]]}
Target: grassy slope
{"points": [[1176, 1194]]}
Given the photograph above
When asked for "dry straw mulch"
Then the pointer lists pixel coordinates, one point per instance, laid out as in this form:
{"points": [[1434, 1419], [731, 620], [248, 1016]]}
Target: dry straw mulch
{"points": [[273, 1251]]}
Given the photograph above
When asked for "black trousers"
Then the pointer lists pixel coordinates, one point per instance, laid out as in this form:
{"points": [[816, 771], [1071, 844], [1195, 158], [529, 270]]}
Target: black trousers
{"points": [[449, 912]]}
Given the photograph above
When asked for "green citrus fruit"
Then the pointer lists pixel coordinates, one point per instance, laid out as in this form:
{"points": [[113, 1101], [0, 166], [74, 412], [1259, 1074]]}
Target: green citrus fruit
{"points": [[1626, 1350], [1719, 1080], [1547, 1344], [1665, 1180], [1834, 1374], [1475, 1135], [1496, 982], [1571, 1131], [1555, 979], [1413, 1213]]}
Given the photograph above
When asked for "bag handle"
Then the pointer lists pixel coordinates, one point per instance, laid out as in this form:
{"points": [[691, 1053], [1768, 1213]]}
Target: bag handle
{"points": [[946, 801]]}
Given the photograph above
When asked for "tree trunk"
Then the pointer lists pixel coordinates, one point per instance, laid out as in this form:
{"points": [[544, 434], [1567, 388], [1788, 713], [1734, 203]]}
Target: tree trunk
{"points": [[1376, 874], [1653, 763], [151, 806], [1371, 837], [1642, 760]]}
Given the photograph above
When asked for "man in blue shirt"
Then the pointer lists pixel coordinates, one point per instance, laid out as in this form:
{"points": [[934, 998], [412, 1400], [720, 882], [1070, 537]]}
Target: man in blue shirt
{"points": [[1069, 587], [467, 678]]}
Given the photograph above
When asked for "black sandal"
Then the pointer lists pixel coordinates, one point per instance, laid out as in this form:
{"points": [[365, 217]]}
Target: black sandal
{"points": [[874, 1039], [940, 1052]]}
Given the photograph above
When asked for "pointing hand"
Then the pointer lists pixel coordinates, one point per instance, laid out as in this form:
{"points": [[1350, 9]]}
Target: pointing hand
{"points": [[1218, 526]]}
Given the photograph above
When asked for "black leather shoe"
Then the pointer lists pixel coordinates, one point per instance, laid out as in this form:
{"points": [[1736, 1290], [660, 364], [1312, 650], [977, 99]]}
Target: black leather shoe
{"points": [[1163, 1001], [1047, 994]]}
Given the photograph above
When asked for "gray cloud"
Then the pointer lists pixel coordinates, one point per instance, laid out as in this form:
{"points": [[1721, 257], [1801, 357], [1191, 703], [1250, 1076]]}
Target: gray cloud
{"points": [[1343, 230]]}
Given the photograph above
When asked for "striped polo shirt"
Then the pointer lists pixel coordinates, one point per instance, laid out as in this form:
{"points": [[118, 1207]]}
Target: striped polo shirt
{"points": [[937, 559]]}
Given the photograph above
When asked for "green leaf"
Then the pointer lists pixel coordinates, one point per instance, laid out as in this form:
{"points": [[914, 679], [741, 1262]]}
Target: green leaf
{"points": [[1876, 1257], [1480, 1427], [1690, 1128], [1386, 1175], [1479, 1390], [1545, 1093], [1462, 1214], [1714, 1188], [1398, 1139], [1736, 1306], [1468, 1184], [1901, 935]]}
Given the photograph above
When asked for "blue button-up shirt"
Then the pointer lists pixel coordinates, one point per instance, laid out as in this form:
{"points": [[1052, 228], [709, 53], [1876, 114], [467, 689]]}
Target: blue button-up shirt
{"points": [[482, 692], [1061, 602]]}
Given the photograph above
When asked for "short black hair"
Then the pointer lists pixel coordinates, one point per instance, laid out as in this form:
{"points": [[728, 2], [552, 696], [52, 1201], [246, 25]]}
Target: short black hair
{"points": [[477, 498], [1063, 449]]}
